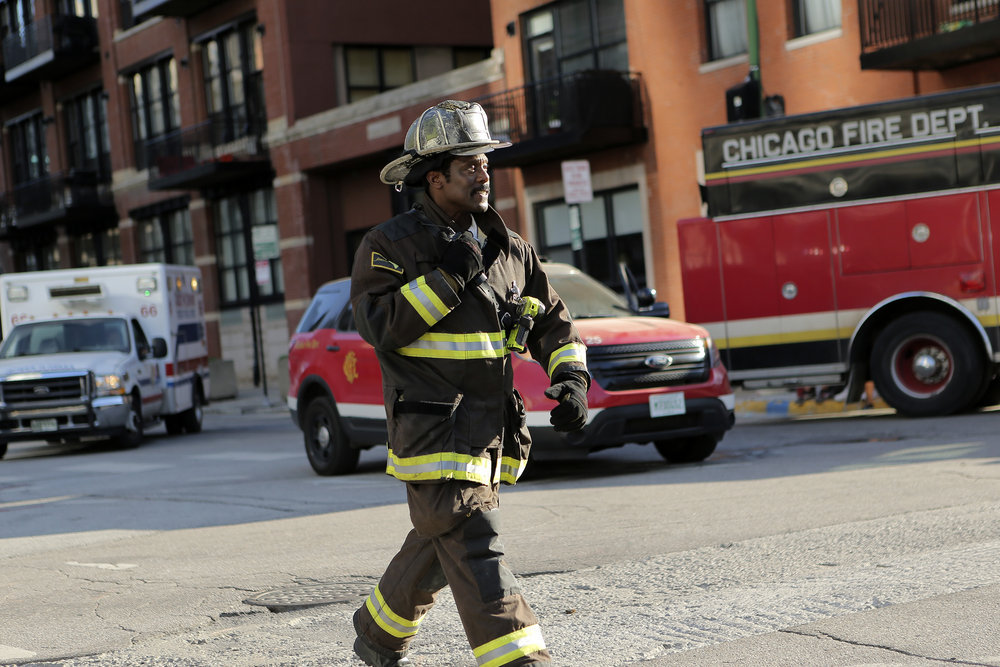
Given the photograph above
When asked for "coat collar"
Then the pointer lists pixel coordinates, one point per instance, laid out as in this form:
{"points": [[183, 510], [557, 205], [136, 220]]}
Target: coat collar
{"points": [[489, 222]]}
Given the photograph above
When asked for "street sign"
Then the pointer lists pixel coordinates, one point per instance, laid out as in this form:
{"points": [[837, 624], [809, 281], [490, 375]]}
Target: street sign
{"points": [[576, 181]]}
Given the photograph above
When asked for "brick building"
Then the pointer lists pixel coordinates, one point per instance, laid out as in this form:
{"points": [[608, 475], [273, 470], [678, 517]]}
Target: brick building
{"points": [[246, 136]]}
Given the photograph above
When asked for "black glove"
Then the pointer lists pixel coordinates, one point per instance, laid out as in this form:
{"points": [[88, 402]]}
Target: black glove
{"points": [[571, 391], [463, 258]]}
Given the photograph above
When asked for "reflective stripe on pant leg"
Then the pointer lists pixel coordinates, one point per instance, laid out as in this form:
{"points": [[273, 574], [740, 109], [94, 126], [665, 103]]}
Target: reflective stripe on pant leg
{"points": [[387, 619], [510, 647]]}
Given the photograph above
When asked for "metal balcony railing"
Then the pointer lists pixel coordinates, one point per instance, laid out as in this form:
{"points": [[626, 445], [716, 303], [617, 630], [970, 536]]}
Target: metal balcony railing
{"points": [[570, 105], [60, 34], [52, 197], [887, 23], [220, 140]]}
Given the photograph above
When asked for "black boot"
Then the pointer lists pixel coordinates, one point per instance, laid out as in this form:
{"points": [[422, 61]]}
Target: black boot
{"points": [[376, 656]]}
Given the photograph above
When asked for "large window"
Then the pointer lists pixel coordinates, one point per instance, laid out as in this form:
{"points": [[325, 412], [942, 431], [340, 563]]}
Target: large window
{"points": [[165, 236], [726, 21], [575, 35], [98, 248], [246, 229], [29, 160], [87, 134], [233, 62], [87, 8], [372, 70], [610, 231], [815, 15], [15, 15], [155, 107]]}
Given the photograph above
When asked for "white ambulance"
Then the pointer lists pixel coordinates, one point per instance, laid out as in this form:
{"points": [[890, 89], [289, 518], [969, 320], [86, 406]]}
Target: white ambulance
{"points": [[103, 351]]}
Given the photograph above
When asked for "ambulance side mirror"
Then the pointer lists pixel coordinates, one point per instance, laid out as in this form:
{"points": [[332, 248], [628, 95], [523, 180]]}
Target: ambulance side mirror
{"points": [[159, 348]]}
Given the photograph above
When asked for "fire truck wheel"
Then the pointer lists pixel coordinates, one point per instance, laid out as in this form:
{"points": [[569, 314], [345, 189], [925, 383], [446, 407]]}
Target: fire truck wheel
{"points": [[132, 437], [687, 450], [191, 418], [927, 364], [327, 447]]}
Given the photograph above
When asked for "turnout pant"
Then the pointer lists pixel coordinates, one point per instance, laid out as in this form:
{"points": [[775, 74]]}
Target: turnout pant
{"points": [[454, 542]]}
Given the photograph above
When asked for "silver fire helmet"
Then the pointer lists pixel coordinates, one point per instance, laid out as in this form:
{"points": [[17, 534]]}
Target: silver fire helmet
{"points": [[455, 127]]}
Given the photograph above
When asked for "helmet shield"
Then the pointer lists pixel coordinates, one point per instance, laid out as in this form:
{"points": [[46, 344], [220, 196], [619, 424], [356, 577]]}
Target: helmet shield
{"points": [[455, 127]]}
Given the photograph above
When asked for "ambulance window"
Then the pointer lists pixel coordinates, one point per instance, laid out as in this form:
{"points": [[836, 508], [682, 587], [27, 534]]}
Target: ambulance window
{"points": [[140, 338]]}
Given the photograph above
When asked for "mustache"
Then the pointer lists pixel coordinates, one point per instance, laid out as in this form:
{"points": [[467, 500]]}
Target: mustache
{"points": [[481, 188]]}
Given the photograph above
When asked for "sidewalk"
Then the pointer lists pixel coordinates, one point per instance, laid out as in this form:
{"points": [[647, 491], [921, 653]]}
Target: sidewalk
{"points": [[777, 404], [248, 401]]}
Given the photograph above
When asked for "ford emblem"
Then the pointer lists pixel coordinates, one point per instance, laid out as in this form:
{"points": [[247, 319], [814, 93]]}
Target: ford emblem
{"points": [[40, 389], [658, 361]]}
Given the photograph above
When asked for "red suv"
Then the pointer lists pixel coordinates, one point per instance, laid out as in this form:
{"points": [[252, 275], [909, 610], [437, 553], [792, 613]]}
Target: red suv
{"points": [[654, 380]]}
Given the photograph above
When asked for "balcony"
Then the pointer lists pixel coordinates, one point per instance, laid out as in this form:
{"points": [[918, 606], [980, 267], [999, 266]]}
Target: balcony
{"points": [[74, 198], [927, 34], [145, 9], [211, 154], [566, 117], [51, 47]]}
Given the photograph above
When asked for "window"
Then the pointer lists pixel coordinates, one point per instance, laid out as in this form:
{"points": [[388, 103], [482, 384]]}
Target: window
{"points": [[29, 160], [15, 15], [815, 16], [154, 105], [726, 21], [246, 228], [372, 70], [86, 8], [233, 61], [87, 134], [611, 231], [575, 35], [166, 237], [100, 248]]}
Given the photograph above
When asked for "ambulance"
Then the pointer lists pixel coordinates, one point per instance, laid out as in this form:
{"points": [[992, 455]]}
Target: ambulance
{"points": [[102, 352]]}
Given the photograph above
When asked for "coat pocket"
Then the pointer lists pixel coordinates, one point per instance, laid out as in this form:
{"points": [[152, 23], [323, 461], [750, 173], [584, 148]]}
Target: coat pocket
{"points": [[420, 424]]}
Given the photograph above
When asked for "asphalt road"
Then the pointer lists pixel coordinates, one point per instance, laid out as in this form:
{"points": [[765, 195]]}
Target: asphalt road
{"points": [[865, 539]]}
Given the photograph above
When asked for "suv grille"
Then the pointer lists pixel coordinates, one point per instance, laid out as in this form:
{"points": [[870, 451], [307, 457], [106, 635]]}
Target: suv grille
{"points": [[640, 365], [42, 391]]}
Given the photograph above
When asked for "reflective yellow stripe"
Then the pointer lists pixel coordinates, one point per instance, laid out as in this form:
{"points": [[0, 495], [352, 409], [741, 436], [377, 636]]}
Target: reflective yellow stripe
{"points": [[506, 649], [387, 619], [423, 299], [481, 345], [575, 352], [511, 469], [443, 465]]}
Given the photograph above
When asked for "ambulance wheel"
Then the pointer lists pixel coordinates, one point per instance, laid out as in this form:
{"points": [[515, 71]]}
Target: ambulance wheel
{"points": [[687, 450], [327, 447], [3, 449], [132, 437], [191, 418], [927, 364], [173, 424]]}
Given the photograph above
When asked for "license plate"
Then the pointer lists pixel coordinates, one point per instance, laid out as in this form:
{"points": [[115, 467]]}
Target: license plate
{"points": [[44, 425], [664, 405]]}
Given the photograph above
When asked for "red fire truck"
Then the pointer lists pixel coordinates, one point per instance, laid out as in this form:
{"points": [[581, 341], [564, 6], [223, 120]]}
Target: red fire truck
{"points": [[855, 244]]}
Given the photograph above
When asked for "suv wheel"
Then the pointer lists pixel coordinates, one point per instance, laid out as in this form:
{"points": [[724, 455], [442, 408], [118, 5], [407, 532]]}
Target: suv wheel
{"points": [[687, 450], [327, 447]]}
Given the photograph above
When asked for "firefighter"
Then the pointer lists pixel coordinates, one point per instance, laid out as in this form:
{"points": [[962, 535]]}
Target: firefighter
{"points": [[438, 291]]}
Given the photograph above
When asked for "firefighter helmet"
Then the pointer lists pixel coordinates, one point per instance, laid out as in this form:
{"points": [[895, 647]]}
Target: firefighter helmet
{"points": [[455, 127]]}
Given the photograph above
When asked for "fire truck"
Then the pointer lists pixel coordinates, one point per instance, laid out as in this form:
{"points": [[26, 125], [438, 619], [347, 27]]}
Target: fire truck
{"points": [[855, 244]]}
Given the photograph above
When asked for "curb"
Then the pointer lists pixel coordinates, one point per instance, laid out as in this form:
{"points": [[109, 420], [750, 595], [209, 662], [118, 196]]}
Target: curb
{"points": [[786, 405]]}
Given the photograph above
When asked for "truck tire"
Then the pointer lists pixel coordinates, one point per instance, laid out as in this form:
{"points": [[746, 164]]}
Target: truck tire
{"points": [[173, 424], [3, 449], [191, 418], [926, 364], [132, 437], [326, 443], [687, 450]]}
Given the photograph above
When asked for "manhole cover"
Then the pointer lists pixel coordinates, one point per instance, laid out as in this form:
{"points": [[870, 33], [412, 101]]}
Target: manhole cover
{"points": [[297, 597]]}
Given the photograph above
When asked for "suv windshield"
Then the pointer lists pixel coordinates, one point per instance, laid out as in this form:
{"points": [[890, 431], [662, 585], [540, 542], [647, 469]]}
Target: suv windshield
{"points": [[96, 335], [585, 297]]}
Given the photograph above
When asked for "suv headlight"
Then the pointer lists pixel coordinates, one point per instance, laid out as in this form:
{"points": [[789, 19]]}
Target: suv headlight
{"points": [[713, 352], [108, 385]]}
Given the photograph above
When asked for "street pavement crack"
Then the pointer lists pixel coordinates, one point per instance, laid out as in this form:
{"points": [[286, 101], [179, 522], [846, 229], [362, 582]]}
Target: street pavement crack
{"points": [[842, 640]]}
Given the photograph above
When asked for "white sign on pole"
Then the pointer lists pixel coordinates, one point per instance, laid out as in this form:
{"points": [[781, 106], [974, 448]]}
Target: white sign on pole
{"points": [[576, 181]]}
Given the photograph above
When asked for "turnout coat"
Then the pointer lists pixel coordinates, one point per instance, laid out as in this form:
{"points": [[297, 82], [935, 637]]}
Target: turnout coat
{"points": [[446, 372]]}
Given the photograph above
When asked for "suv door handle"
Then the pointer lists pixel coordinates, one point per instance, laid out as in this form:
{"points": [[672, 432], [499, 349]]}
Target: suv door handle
{"points": [[333, 348]]}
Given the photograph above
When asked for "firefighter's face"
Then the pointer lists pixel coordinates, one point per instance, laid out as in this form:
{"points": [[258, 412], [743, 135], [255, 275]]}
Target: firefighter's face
{"points": [[464, 188]]}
